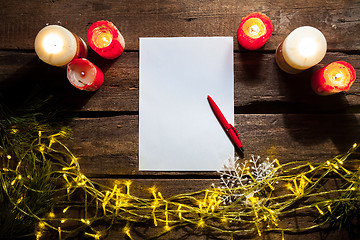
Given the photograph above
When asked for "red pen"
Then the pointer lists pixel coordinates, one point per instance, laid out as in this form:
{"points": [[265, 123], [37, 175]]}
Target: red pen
{"points": [[230, 130]]}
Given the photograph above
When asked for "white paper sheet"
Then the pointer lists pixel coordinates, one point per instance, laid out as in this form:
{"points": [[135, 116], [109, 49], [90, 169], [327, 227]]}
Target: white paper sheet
{"points": [[177, 129]]}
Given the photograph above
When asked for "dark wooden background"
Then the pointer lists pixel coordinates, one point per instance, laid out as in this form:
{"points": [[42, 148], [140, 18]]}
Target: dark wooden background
{"points": [[277, 114]]}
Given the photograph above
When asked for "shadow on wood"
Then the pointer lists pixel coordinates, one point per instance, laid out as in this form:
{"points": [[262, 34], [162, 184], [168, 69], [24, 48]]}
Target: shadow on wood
{"points": [[327, 117], [252, 65], [35, 85]]}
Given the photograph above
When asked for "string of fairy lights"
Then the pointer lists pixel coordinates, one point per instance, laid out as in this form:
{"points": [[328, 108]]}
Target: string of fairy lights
{"points": [[253, 196]]}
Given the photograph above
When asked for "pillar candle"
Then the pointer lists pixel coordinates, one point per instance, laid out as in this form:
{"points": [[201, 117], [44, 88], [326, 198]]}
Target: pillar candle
{"points": [[302, 48], [58, 46], [254, 31], [84, 75], [333, 78], [105, 39]]}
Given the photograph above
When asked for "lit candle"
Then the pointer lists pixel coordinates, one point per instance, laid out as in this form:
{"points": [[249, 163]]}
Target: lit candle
{"points": [[302, 48], [254, 31], [58, 46], [105, 39], [333, 78], [84, 75]]}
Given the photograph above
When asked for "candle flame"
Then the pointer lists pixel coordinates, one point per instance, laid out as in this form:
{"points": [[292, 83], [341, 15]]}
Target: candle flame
{"points": [[337, 76], [308, 47], [53, 43], [254, 29], [102, 37]]}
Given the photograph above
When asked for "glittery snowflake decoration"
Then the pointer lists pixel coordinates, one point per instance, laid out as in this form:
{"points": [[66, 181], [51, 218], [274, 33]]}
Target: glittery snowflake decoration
{"points": [[242, 179]]}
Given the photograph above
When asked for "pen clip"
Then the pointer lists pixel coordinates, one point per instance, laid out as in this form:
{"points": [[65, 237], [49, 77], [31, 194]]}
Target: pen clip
{"points": [[232, 127], [238, 137]]}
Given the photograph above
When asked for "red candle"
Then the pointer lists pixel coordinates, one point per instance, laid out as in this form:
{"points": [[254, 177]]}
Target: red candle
{"points": [[105, 39], [333, 78], [84, 75], [254, 30]]}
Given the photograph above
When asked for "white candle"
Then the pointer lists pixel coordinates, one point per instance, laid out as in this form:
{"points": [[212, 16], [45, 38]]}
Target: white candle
{"points": [[302, 48], [58, 46]]}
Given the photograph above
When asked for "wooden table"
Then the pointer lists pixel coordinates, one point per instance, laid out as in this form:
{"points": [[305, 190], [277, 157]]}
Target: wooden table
{"points": [[277, 114]]}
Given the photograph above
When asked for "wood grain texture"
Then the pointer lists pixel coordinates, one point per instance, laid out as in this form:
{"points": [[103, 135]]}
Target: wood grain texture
{"points": [[21, 20], [143, 232], [260, 86], [277, 114], [109, 145]]}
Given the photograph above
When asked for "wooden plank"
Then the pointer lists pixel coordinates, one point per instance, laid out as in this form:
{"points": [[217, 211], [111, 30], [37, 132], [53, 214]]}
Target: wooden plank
{"points": [[188, 234], [109, 145], [144, 232], [21, 20], [260, 87]]}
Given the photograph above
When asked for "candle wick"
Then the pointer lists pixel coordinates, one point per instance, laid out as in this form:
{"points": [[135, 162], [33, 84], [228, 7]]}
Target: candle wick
{"points": [[82, 73], [254, 29], [336, 76]]}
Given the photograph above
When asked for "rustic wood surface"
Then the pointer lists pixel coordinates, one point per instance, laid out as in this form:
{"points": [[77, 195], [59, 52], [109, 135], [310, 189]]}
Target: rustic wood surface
{"points": [[277, 114]]}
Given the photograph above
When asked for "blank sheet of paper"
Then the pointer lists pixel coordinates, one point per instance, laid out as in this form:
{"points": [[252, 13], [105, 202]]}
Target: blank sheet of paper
{"points": [[177, 129]]}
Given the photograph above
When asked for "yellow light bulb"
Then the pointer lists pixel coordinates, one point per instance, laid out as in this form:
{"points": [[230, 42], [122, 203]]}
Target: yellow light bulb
{"points": [[201, 223], [41, 225]]}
